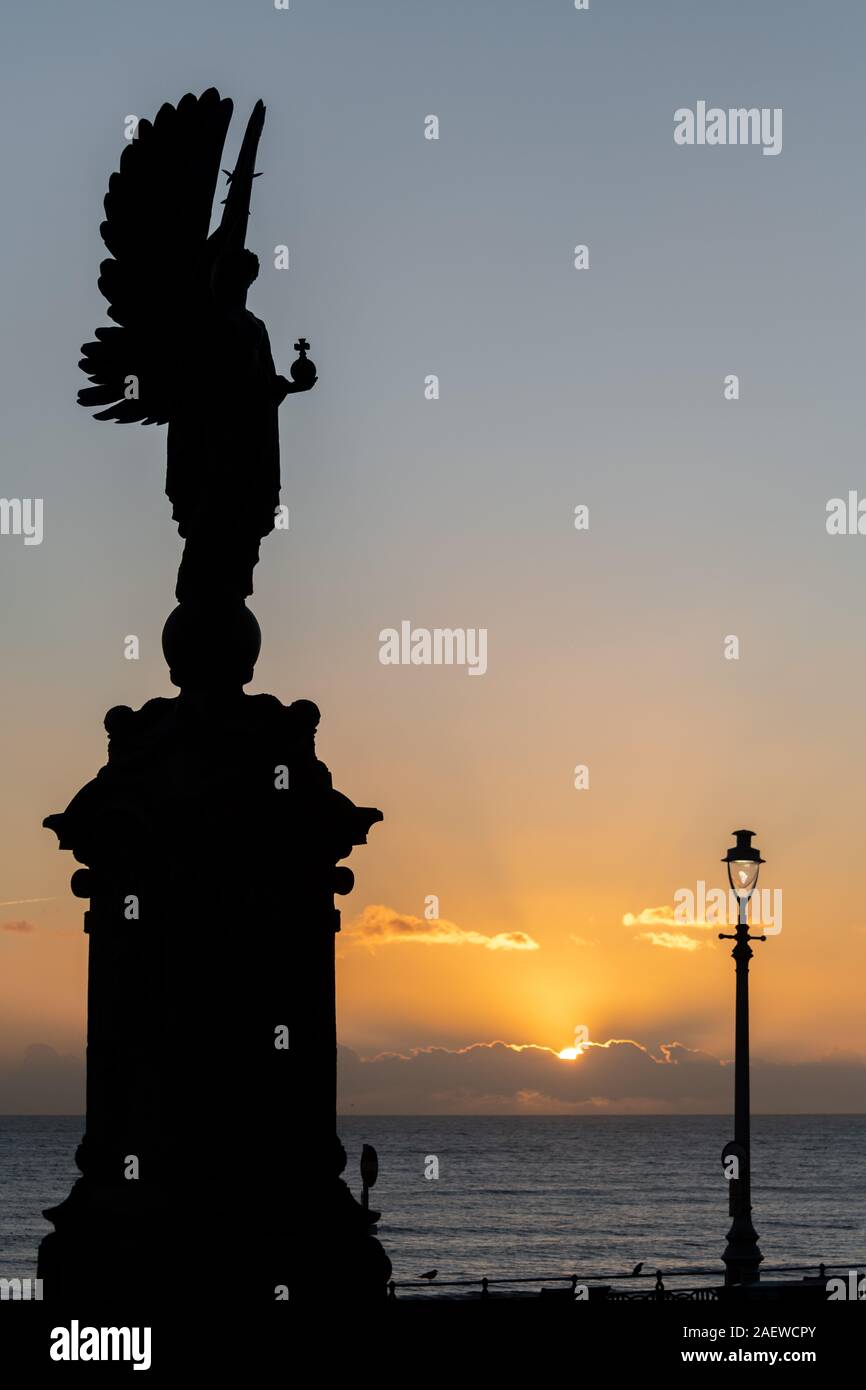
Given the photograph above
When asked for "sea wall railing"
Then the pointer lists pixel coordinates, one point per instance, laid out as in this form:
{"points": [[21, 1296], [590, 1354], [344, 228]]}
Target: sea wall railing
{"points": [[620, 1286]]}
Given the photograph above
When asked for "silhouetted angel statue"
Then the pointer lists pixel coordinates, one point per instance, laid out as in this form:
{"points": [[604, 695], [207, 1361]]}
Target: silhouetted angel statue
{"points": [[187, 350]]}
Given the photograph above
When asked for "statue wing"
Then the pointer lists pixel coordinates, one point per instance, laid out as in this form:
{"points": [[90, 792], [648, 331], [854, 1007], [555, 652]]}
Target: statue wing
{"points": [[157, 215]]}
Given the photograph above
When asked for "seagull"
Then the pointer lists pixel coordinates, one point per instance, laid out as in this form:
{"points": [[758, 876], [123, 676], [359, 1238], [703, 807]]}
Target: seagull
{"points": [[637, 1269], [430, 1275]]}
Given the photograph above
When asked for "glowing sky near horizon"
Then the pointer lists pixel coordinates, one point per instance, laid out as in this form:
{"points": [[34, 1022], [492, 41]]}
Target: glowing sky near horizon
{"points": [[557, 388]]}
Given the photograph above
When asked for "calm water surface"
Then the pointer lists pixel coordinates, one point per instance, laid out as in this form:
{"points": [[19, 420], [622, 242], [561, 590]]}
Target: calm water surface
{"points": [[541, 1195]]}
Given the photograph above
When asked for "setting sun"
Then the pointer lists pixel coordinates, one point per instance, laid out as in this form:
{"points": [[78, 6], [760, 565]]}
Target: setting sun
{"points": [[581, 1038]]}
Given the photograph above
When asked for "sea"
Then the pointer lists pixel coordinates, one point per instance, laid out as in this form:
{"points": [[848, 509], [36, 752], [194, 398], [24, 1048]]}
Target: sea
{"points": [[539, 1197]]}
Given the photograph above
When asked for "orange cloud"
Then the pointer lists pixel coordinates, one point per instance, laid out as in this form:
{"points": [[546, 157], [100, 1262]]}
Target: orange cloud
{"points": [[651, 917], [662, 917], [673, 940], [383, 926], [16, 926], [620, 1076]]}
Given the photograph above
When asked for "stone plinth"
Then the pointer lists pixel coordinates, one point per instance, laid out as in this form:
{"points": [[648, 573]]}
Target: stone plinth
{"points": [[211, 841]]}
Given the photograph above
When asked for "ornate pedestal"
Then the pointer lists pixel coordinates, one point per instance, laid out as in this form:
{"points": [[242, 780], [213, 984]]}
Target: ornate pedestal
{"points": [[211, 838]]}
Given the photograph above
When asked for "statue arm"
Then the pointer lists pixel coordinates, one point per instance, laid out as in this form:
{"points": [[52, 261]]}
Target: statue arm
{"points": [[287, 388], [304, 375]]}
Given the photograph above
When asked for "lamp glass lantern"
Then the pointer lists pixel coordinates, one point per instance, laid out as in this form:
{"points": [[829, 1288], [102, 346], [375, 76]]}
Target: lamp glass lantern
{"points": [[744, 864]]}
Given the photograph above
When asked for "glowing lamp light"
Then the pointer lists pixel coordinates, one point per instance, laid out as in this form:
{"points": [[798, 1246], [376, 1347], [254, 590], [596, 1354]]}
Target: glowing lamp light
{"points": [[744, 864]]}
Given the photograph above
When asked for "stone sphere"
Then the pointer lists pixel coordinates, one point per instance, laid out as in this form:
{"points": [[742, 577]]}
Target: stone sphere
{"points": [[211, 648]]}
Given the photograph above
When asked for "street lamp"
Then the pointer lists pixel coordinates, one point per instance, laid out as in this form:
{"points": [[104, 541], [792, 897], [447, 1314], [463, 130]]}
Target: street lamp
{"points": [[744, 864], [742, 1255]]}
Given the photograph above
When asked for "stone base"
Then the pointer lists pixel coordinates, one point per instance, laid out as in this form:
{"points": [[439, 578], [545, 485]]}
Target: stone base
{"points": [[211, 841]]}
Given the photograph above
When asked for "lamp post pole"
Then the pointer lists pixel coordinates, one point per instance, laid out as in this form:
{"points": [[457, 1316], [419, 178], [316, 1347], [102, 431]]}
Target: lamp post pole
{"points": [[742, 1255]]}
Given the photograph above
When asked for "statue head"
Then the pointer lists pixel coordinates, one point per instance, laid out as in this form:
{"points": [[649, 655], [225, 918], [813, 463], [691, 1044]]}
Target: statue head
{"points": [[232, 274]]}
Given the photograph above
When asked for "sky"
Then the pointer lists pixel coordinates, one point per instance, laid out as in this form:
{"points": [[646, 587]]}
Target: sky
{"points": [[558, 388]]}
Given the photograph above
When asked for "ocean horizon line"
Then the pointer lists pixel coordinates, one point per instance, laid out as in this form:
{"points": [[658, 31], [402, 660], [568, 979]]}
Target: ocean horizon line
{"points": [[512, 1114]]}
